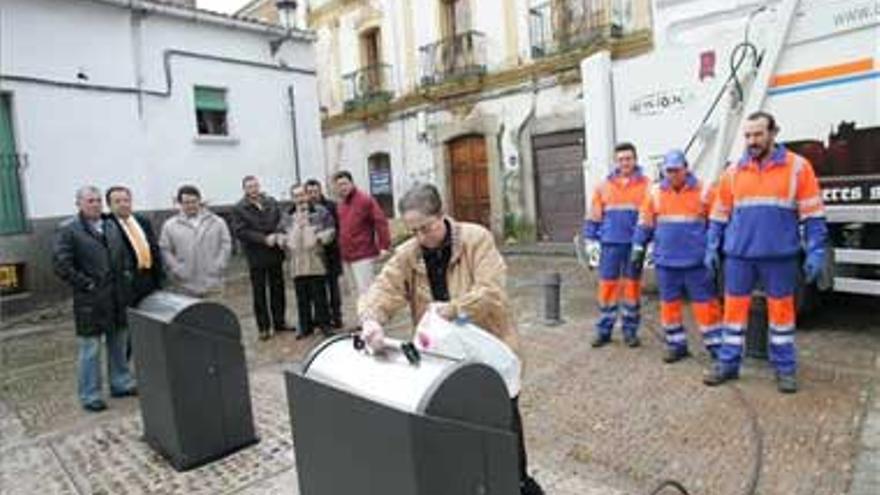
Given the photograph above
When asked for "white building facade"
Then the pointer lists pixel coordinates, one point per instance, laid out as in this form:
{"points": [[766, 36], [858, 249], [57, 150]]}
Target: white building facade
{"points": [[480, 97], [149, 95]]}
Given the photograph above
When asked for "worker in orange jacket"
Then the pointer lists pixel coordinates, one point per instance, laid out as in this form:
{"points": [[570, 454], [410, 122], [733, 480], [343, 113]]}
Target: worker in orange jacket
{"points": [[769, 210], [611, 222], [675, 215]]}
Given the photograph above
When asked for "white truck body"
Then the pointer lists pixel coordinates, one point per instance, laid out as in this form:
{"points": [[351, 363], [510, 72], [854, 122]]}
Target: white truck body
{"points": [[820, 77]]}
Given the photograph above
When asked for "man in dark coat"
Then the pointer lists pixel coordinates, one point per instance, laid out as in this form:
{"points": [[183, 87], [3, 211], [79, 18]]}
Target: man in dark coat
{"points": [[140, 241], [89, 254], [332, 258], [256, 223]]}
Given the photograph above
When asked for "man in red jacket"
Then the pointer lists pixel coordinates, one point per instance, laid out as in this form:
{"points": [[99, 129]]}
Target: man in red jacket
{"points": [[363, 231]]}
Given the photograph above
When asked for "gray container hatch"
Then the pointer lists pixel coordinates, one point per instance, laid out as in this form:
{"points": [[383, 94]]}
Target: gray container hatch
{"points": [[192, 379], [381, 425]]}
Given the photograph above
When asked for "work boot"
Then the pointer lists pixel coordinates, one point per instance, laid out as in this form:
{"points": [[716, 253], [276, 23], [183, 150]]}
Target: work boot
{"points": [[717, 375], [786, 383], [529, 486], [600, 341], [632, 341], [675, 355], [264, 334]]}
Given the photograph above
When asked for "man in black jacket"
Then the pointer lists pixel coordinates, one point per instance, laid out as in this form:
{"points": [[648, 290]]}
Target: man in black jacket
{"points": [[89, 254], [140, 241], [332, 258], [256, 223]]}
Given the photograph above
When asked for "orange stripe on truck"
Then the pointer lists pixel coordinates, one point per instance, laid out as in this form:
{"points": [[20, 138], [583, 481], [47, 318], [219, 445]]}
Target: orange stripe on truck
{"points": [[826, 72]]}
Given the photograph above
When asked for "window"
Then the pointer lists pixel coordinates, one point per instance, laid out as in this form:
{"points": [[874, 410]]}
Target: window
{"points": [[12, 220], [371, 48], [381, 183], [455, 17], [211, 111], [371, 60]]}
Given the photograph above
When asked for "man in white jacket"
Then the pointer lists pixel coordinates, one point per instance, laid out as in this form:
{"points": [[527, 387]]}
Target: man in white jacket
{"points": [[195, 246]]}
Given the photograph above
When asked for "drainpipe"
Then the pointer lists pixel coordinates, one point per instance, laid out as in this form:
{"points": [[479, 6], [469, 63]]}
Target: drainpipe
{"points": [[520, 130], [504, 203], [292, 100]]}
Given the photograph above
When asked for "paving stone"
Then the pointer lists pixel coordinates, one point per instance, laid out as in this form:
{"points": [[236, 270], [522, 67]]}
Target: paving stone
{"points": [[32, 470]]}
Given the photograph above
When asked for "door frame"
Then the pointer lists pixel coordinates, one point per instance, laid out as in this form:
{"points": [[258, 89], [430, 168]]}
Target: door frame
{"points": [[535, 172], [489, 127]]}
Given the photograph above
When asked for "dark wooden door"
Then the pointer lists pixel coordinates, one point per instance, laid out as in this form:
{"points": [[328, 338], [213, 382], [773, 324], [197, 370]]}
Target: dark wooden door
{"points": [[470, 180], [559, 176]]}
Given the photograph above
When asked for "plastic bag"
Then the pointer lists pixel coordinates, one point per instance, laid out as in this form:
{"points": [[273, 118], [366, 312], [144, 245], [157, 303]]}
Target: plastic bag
{"points": [[464, 340]]}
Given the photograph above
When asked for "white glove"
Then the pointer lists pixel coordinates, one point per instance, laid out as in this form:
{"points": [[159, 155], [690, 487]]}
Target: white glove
{"points": [[373, 335]]}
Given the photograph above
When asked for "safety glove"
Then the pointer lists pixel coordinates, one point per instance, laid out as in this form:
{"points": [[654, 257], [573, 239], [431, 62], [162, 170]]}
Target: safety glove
{"points": [[712, 262], [637, 257], [815, 233], [813, 265]]}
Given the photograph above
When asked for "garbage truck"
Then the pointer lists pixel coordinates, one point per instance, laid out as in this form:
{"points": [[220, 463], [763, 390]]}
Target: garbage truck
{"points": [[814, 64]]}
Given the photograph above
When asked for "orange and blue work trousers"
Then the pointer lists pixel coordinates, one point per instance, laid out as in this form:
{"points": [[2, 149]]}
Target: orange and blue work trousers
{"points": [[698, 284], [778, 277], [620, 290]]}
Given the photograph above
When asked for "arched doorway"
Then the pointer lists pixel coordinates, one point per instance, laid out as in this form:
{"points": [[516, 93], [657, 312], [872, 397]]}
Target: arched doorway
{"points": [[469, 180]]}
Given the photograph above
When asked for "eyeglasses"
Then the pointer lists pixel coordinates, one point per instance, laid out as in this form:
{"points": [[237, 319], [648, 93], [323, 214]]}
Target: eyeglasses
{"points": [[426, 228]]}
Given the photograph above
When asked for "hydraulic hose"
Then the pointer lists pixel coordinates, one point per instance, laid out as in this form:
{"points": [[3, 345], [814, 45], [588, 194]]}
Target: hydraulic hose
{"points": [[757, 436]]}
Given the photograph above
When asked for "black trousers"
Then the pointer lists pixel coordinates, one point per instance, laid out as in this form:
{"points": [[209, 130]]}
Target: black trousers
{"points": [[335, 299], [517, 427], [311, 303], [272, 278]]}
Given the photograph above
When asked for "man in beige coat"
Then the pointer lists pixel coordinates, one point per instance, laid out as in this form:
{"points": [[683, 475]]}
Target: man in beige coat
{"points": [[451, 264], [195, 246]]}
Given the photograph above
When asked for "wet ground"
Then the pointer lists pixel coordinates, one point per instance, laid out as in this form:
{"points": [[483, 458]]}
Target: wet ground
{"points": [[606, 421]]}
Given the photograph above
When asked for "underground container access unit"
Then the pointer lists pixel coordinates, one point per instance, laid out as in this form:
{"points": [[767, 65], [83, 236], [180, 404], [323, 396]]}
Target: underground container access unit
{"points": [[192, 379], [390, 423]]}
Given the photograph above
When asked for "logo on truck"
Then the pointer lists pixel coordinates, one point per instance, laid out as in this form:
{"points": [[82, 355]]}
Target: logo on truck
{"points": [[661, 102]]}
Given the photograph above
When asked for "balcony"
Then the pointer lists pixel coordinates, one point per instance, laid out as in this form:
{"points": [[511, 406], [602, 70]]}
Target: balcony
{"points": [[458, 57], [559, 26], [367, 86]]}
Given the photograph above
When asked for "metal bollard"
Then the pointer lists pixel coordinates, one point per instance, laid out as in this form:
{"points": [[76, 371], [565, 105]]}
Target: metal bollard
{"points": [[757, 329], [552, 283]]}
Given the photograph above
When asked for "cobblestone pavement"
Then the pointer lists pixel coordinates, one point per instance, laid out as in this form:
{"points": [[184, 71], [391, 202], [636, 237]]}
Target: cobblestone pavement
{"points": [[607, 421]]}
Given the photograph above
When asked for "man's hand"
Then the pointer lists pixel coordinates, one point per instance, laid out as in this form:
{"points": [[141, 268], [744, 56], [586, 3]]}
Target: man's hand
{"points": [[712, 262], [384, 254], [444, 310], [302, 219], [373, 335], [270, 240], [637, 257], [813, 266]]}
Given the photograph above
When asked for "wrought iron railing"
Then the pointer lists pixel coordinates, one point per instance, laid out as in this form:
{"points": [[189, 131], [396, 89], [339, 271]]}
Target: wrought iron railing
{"points": [[459, 56], [561, 25], [367, 85]]}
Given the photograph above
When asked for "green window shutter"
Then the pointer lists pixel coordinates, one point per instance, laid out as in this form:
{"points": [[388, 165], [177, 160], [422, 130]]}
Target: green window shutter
{"points": [[12, 219], [210, 99]]}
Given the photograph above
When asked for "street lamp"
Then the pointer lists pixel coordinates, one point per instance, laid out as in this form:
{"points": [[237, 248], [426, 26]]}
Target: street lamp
{"points": [[287, 16], [287, 13]]}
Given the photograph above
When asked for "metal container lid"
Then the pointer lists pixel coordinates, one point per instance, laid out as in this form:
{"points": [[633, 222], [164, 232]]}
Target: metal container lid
{"points": [[172, 308], [435, 385]]}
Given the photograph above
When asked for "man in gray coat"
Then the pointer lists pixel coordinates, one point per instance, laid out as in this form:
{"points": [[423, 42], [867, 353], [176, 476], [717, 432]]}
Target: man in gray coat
{"points": [[90, 254], [195, 246]]}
